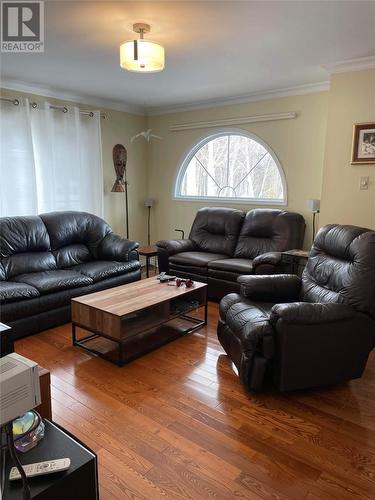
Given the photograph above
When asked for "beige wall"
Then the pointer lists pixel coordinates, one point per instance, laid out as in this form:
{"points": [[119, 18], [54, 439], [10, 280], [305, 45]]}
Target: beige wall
{"points": [[298, 144], [351, 100], [118, 127], [320, 136]]}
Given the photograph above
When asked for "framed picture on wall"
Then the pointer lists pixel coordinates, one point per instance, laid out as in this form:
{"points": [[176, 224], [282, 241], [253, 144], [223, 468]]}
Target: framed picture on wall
{"points": [[363, 143]]}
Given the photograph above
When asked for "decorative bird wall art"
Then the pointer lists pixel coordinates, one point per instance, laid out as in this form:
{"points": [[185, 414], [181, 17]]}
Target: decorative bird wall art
{"points": [[147, 135]]}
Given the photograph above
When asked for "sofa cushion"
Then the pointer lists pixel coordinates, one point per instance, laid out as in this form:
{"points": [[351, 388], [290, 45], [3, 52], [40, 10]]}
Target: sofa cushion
{"points": [[101, 269], [341, 268], [189, 271], [10, 291], [14, 311], [2, 272], [216, 230], [51, 281], [68, 228], [196, 259], [72, 255], [269, 230], [23, 234], [240, 266], [222, 276], [30, 262]]}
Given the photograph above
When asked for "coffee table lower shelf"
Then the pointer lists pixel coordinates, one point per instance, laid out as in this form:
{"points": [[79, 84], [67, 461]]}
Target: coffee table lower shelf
{"points": [[122, 352]]}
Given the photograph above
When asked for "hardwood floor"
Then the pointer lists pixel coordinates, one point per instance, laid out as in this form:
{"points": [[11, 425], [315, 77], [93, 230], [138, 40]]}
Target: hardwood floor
{"points": [[177, 424]]}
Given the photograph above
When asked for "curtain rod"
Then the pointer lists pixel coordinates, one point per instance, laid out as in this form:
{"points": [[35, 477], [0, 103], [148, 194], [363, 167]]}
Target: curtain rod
{"points": [[64, 109], [234, 121]]}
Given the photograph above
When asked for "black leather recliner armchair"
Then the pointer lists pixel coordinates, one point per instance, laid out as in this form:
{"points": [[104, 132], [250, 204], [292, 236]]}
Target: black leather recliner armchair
{"points": [[311, 331]]}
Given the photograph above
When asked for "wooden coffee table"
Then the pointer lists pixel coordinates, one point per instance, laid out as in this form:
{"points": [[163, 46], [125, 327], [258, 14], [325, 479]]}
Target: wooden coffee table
{"points": [[129, 320]]}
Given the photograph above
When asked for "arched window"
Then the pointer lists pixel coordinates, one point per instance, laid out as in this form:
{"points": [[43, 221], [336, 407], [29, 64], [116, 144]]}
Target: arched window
{"points": [[231, 165]]}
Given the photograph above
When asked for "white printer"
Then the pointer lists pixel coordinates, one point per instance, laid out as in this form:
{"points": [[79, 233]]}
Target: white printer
{"points": [[19, 386]]}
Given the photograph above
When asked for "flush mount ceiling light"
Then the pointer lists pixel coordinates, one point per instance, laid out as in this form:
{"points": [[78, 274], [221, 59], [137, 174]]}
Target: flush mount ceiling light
{"points": [[142, 56]]}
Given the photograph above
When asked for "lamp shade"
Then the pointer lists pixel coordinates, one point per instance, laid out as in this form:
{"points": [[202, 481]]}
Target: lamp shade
{"points": [[149, 202], [313, 205], [142, 56]]}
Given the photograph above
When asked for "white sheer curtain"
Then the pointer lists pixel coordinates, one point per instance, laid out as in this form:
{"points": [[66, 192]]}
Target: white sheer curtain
{"points": [[64, 157], [18, 189]]}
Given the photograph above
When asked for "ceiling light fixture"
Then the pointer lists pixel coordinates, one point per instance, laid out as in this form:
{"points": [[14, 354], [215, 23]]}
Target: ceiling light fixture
{"points": [[142, 56]]}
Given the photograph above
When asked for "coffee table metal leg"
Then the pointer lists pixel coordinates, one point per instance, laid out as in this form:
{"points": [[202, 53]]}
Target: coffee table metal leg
{"points": [[93, 335]]}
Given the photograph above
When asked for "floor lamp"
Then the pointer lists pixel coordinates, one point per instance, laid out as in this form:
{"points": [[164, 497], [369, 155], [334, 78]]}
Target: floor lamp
{"points": [[149, 202], [314, 206], [120, 156]]}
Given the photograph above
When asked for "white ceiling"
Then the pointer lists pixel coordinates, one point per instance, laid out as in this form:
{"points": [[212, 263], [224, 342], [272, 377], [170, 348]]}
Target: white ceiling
{"points": [[214, 49]]}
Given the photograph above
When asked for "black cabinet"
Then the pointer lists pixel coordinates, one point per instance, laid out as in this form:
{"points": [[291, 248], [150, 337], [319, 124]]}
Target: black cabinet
{"points": [[79, 482], [6, 340]]}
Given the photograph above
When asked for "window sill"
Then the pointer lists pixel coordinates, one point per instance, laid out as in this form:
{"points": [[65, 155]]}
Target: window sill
{"points": [[236, 201]]}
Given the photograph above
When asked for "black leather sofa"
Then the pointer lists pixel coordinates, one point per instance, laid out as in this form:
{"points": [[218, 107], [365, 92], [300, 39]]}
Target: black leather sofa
{"points": [[225, 243], [309, 332], [48, 259]]}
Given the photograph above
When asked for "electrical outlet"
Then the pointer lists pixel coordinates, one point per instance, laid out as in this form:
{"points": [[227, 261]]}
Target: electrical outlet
{"points": [[364, 182]]}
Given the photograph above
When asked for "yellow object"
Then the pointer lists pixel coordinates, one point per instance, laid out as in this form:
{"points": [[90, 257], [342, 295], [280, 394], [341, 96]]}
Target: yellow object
{"points": [[142, 56]]}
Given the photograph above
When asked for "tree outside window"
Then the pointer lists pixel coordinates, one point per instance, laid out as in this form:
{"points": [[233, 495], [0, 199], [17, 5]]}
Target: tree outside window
{"points": [[232, 166]]}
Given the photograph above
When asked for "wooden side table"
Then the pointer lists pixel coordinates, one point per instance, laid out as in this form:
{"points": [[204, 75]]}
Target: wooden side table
{"points": [[44, 409], [148, 252], [294, 261]]}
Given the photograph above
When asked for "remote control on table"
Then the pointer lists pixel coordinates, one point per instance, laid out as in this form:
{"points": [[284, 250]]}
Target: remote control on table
{"points": [[41, 468], [164, 277]]}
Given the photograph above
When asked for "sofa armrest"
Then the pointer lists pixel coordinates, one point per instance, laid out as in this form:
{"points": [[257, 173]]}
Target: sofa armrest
{"points": [[166, 248], [311, 313], [267, 263], [176, 246], [113, 247], [271, 288]]}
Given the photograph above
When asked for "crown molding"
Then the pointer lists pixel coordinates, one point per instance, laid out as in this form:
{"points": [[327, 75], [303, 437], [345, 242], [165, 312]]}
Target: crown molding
{"points": [[30, 88], [361, 63], [309, 88], [45, 91]]}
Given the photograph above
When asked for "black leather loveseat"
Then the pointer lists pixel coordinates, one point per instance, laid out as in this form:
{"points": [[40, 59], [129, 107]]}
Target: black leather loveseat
{"points": [[225, 243], [311, 331], [48, 259]]}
